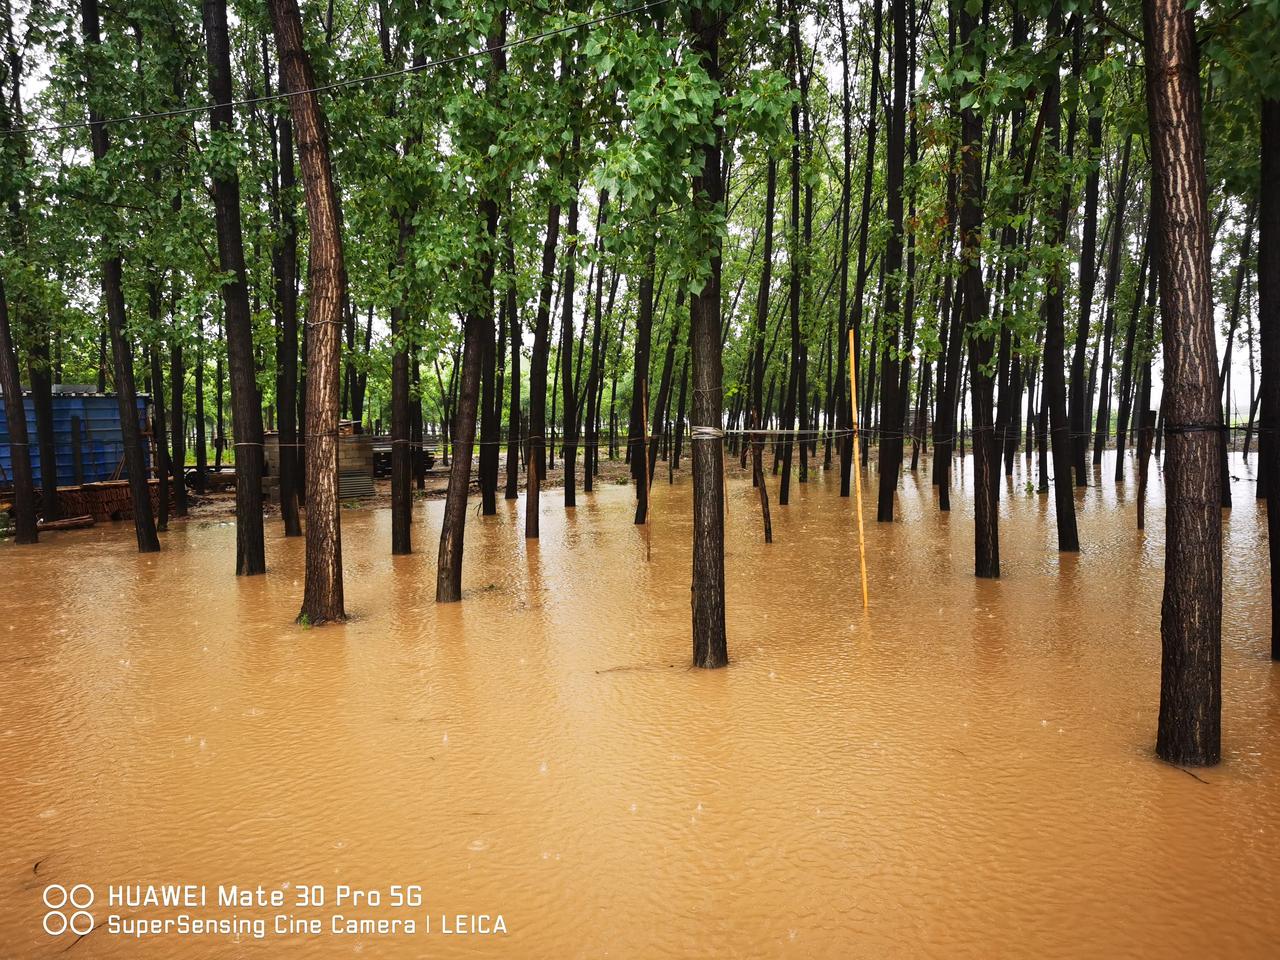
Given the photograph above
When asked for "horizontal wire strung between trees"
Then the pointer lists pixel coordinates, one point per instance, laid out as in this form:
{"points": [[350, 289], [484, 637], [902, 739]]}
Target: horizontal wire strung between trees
{"points": [[873, 433], [337, 84], [698, 432]]}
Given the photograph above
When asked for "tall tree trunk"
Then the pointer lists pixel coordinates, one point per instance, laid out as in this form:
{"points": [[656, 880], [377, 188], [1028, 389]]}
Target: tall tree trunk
{"points": [[637, 448], [537, 456], [890, 404], [449, 562], [121, 352], [909, 297], [40, 371], [841, 409], [477, 331], [805, 248], [567, 385], [246, 413], [1103, 426], [1224, 374], [659, 412], [556, 368], [870, 394], [490, 426], [177, 409], [326, 287], [1191, 614], [360, 380], [286, 277], [864, 222], [202, 442], [159, 433], [39, 367], [1145, 414], [620, 339], [986, 543], [678, 440], [24, 492], [758, 408], [494, 362], [401, 448], [1088, 279], [348, 366], [950, 339], [592, 454], [795, 258], [1269, 343], [1130, 343], [919, 436], [710, 647], [944, 440], [1055, 391], [220, 390], [417, 433], [513, 323]]}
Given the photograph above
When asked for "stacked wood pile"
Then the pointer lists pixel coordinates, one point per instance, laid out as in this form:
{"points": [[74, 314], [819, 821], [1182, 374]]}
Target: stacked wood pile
{"points": [[105, 501]]}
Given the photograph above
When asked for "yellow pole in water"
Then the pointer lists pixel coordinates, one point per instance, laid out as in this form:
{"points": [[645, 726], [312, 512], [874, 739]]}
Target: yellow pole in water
{"points": [[857, 460]]}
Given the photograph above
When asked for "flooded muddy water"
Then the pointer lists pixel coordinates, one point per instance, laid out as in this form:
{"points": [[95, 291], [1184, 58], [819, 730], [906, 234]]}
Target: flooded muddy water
{"points": [[966, 770]]}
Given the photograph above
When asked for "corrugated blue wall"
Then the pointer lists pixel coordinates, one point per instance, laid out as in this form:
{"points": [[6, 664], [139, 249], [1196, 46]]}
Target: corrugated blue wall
{"points": [[101, 444]]}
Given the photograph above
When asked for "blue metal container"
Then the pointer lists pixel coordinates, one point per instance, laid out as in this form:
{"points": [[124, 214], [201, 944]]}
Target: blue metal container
{"points": [[101, 441]]}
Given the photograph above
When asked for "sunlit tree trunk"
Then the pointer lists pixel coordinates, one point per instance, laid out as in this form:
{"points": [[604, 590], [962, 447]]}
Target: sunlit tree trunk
{"points": [[326, 286], [1191, 614]]}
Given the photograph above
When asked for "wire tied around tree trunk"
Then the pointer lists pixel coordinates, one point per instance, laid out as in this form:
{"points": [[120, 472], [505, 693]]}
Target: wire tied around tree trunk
{"points": [[1194, 428]]}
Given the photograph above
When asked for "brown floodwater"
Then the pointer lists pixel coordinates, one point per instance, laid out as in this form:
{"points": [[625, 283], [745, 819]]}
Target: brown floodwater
{"points": [[965, 770]]}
